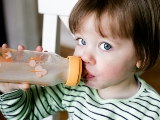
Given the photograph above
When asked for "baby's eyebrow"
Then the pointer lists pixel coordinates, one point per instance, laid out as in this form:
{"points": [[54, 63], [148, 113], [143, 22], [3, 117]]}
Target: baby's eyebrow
{"points": [[114, 40]]}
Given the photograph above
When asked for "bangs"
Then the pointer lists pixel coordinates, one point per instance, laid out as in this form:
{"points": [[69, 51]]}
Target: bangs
{"points": [[109, 20], [113, 25]]}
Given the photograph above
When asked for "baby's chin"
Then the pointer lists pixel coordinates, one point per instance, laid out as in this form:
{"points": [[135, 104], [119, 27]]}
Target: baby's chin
{"points": [[91, 84]]}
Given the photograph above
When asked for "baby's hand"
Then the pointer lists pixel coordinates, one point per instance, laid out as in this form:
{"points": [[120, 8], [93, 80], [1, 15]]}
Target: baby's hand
{"points": [[8, 87]]}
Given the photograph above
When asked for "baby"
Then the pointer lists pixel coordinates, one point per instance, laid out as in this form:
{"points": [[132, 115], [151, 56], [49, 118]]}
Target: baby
{"points": [[117, 40]]}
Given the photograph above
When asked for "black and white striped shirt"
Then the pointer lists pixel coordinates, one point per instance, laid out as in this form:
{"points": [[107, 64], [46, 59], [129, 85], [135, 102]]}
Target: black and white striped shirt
{"points": [[81, 102]]}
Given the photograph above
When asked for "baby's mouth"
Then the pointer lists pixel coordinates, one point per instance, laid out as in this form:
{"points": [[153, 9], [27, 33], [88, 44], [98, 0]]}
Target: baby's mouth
{"points": [[88, 76]]}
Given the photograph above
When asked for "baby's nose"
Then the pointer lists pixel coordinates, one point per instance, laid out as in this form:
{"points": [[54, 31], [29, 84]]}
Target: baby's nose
{"points": [[88, 57]]}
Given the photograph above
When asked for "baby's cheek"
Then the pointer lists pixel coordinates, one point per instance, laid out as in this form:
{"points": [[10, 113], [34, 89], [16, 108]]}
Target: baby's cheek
{"points": [[111, 72]]}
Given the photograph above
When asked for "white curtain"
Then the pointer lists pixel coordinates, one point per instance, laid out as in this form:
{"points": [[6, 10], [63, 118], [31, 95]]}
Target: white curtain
{"points": [[23, 23]]}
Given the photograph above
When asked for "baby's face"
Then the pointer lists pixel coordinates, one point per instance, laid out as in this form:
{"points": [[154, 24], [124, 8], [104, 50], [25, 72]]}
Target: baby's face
{"points": [[109, 61]]}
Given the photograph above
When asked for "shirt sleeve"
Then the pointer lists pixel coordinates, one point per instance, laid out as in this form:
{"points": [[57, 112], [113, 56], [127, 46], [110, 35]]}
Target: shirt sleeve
{"points": [[35, 104]]}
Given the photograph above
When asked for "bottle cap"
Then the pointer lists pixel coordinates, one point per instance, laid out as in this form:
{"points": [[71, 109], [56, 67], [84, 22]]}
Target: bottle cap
{"points": [[75, 71]]}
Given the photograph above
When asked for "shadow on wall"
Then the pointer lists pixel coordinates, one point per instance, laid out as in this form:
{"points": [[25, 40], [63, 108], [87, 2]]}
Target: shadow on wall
{"points": [[2, 26], [152, 77], [1, 117]]}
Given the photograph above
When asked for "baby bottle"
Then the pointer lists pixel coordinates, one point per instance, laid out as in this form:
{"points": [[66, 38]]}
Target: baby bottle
{"points": [[40, 68]]}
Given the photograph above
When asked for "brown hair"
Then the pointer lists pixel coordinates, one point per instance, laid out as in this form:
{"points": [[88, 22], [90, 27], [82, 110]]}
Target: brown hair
{"points": [[137, 19]]}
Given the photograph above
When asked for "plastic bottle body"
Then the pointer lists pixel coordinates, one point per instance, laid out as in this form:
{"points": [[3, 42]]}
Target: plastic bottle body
{"points": [[40, 68]]}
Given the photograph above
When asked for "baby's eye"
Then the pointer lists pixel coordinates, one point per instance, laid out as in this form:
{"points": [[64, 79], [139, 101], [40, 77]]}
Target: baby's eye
{"points": [[105, 46], [81, 41]]}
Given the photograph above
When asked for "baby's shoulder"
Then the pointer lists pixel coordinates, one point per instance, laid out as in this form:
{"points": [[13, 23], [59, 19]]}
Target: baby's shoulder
{"points": [[148, 96]]}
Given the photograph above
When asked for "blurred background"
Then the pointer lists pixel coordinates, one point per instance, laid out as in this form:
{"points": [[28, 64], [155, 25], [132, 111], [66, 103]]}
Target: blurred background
{"points": [[22, 24]]}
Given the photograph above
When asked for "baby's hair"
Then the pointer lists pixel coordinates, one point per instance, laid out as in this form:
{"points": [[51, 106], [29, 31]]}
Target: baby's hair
{"points": [[138, 20]]}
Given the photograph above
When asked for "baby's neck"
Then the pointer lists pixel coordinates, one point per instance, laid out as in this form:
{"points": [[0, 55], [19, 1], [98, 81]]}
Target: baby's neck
{"points": [[119, 91]]}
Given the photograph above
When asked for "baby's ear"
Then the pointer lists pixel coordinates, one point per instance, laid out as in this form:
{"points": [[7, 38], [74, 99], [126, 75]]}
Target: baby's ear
{"points": [[138, 64]]}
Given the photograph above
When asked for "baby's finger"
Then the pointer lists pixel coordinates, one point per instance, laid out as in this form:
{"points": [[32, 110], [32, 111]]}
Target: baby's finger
{"points": [[15, 86], [21, 47], [39, 49], [42, 57], [5, 46], [8, 87], [25, 86], [19, 55]]}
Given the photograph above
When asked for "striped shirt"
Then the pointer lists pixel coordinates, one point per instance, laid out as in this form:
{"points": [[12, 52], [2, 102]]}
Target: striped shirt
{"points": [[81, 102]]}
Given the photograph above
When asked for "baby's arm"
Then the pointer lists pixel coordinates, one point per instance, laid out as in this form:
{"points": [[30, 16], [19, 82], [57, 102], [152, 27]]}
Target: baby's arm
{"points": [[34, 104], [8, 87]]}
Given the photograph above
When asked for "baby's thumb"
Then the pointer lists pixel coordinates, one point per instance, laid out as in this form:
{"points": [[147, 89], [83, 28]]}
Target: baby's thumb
{"points": [[24, 86], [8, 87]]}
